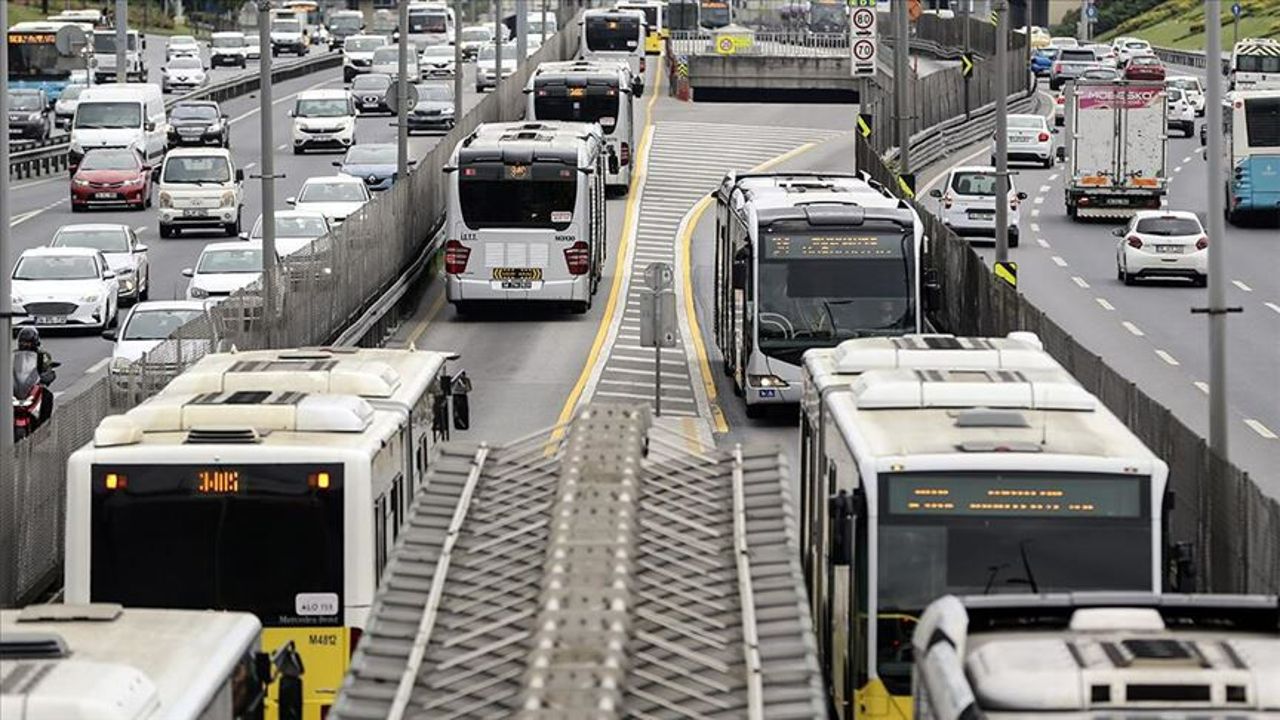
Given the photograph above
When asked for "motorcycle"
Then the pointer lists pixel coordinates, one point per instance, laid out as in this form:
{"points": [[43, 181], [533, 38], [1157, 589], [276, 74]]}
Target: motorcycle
{"points": [[32, 399]]}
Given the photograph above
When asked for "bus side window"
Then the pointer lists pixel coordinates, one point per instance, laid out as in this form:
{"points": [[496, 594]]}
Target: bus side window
{"points": [[397, 505], [379, 538]]}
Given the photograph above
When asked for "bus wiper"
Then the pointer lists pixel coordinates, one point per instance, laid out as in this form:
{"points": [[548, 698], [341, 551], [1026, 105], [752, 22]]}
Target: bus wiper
{"points": [[1026, 566]]}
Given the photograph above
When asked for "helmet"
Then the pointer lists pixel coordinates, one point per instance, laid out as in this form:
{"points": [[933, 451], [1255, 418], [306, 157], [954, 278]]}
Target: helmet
{"points": [[28, 338]]}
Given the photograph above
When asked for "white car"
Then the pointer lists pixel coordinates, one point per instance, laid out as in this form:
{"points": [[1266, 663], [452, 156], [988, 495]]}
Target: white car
{"points": [[228, 48], [181, 46], [200, 188], [335, 197], [1060, 107], [1128, 48], [287, 37], [438, 62], [487, 61], [1162, 243], [294, 230], [386, 60], [148, 324], [968, 201], [61, 287], [1029, 138], [119, 244], [184, 72], [223, 268], [357, 54], [1060, 41], [475, 37], [1190, 85], [64, 109], [1182, 113], [323, 119]]}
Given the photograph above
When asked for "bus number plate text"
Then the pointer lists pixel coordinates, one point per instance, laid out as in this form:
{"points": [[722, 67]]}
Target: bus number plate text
{"points": [[315, 604]]}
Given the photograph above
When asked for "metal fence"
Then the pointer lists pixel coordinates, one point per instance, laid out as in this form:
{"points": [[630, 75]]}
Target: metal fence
{"points": [[772, 43], [323, 288]]}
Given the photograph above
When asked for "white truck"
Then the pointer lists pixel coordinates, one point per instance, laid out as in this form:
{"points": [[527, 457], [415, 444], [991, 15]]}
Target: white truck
{"points": [[1119, 143]]}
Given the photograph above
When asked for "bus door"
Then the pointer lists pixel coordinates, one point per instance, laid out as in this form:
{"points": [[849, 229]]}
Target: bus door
{"points": [[741, 324]]}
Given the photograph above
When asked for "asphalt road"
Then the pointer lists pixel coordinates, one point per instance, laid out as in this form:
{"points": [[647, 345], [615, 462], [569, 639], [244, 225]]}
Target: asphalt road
{"points": [[41, 206]]}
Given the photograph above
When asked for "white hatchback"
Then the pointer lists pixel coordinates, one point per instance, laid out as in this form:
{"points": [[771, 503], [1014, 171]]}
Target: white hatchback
{"points": [[1029, 138], [61, 287], [335, 197], [223, 268], [126, 256], [968, 202], [149, 324], [1182, 112], [1162, 243]]}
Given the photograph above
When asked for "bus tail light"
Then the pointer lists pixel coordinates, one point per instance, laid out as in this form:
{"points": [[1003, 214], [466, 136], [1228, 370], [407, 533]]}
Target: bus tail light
{"points": [[356, 634], [116, 481], [578, 258], [624, 154], [1202, 243], [456, 256], [1134, 241], [643, 65]]}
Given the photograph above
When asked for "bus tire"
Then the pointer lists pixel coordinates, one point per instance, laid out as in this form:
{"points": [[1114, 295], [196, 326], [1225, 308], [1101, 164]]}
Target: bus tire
{"points": [[580, 307], [754, 412]]}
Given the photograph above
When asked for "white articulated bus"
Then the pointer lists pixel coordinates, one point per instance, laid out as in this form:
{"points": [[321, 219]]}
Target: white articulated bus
{"points": [[615, 35], [591, 92], [1098, 655], [916, 483], [104, 661], [273, 482], [804, 261], [526, 215]]}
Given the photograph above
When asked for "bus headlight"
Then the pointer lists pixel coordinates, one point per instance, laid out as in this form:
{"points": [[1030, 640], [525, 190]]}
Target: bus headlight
{"points": [[767, 381]]}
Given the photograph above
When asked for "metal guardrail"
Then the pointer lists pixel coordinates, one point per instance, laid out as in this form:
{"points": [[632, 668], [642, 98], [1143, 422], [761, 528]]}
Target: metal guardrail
{"points": [[51, 156], [935, 143], [1189, 58]]}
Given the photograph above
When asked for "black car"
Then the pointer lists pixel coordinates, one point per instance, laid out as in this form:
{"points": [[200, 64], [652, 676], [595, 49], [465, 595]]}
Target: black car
{"points": [[370, 92], [29, 114], [198, 122], [434, 110]]}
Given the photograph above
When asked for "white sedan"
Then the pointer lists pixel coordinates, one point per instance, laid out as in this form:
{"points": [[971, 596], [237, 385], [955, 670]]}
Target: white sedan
{"points": [[61, 287], [125, 255], [1162, 244], [1029, 138], [223, 268], [185, 72], [295, 229], [147, 325], [438, 62], [335, 197], [180, 46]]}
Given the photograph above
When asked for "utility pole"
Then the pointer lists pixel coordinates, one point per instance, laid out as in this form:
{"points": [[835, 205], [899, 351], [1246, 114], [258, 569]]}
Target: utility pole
{"points": [[1217, 310], [9, 474], [544, 23], [901, 72], [965, 15], [457, 64], [522, 31], [122, 41], [402, 95], [267, 162], [497, 44], [1001, 8]]}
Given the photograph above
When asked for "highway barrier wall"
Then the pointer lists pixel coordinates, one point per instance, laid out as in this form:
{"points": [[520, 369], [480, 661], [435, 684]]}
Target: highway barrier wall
{"points": [[323, 289]]}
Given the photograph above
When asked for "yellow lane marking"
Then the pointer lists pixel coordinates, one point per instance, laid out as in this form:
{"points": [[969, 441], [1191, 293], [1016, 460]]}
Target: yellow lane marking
{"points": [[620, 265], [685, 248], [430, 317]]}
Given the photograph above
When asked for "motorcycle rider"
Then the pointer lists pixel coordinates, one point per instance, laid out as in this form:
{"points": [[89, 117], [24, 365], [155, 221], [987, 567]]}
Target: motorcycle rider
{"points": [[29, 340]]}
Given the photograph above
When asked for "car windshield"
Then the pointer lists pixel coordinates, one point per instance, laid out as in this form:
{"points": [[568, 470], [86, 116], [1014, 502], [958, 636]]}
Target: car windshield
{"points": [[1185, 83], [435, 91], [1146, 60], [231, 260], [1136, 45], [1173, 94], [332, 192], [56, 267], [197, 169], [1100, 74], [178, 41], [156, 324], [489, 52], [104, 159], [25, 101], [1168, 226], [286, 26], [194, 112], [371, 155], [108, 115], [322, 107], [476, 35], [388, 54], [294, 226], [71, 92], [105, 42], [1072, 55], [186, 62], [1049, 52], [363, 43], [346, 23], [108, 240], [1026, 121], [438, 52], [974, 183], [230, 41], [371, 83]]}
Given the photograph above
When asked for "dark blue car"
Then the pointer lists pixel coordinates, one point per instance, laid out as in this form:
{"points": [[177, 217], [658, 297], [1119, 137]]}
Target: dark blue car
{"points": [[375, 164], [1042, 60]]}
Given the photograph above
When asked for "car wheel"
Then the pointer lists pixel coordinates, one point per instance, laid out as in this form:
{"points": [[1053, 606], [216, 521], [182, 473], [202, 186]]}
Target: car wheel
{"points": [[1200, 281], [1048, 162], [147, 202], [144, 289], [166, 231], [76, 208], [754, 412], [233, 229], [1126, 278], [297, 150]]}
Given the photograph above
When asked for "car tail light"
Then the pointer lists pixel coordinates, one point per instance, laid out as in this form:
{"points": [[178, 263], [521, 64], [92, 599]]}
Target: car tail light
{"points": [[1043, 137], [578, 258], [643, 65], [1061, 100], [456, 256], [1057, 67], [1134, 241], [624, 154], [1202, 243]]}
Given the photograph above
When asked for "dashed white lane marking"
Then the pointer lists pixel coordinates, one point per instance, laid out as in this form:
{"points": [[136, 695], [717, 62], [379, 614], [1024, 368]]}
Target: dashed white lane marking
{"points": [[1053, 177], [277, 101], [1105, 305], [1186, 159], [1043, 243], [23, 217], [97, 366], [1240, 284], [1177, 169], [1079, 281], [1035, 212], [1261, 429], [282, 147], [1035, 227], [250, 166], [1057, 260], [1039, 200], [1167, 357], [1273, 306], [1044, 188], [1132, 328], [1202, 386]]}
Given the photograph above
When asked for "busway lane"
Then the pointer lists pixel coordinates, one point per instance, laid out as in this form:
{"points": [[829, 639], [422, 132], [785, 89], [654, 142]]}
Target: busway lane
{"points": [[81, 352]]}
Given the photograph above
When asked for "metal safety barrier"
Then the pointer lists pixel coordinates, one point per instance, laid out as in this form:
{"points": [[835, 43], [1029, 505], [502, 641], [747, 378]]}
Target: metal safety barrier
{"points": [[1190, 58]]}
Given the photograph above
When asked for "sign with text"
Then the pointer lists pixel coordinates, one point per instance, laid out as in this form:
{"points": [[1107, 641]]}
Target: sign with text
{"points": [[863, 42]]}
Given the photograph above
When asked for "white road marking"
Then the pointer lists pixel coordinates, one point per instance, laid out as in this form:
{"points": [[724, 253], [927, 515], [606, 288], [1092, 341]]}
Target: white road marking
{"points": [[19, 219], [1035, 227], [1186, 159], [1105, 305], [1132, 328], [1043, 243], [1053, 177], [1177, 169], [140, 228], [1202, 386], [97, 366], [1079, 281], [250, 166], [285, 146], [1167, 357], [1240, 284], [945, 171], [1035, 212], [277, 101], [1273, 306], [1261, 429], [1044, 188], [1039, 200], [1057, 260]]}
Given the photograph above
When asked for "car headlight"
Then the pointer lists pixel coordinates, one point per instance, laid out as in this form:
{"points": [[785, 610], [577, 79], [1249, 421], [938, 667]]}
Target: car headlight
{"points": [[447, 111], [228, 199], [166, 200], [767, 381], [133, 183], [16, 301], [80, 183], [91, 297], [34, 117], [198, 292]]}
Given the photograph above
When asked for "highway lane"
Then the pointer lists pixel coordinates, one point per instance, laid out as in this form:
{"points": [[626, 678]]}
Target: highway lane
{"points": [[41, 206]]}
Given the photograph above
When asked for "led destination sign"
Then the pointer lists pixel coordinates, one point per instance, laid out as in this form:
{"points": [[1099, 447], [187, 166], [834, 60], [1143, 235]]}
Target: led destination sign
{"points": [[1039, 495]]}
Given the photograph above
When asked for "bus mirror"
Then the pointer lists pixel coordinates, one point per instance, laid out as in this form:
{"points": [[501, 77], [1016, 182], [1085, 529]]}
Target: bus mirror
{"points": [[613, 162], [932, 290], [262, 668], [840, 509], [739, 275]]}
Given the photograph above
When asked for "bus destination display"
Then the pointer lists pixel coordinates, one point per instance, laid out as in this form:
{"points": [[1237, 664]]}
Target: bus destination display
{"points": [[216, 479], [32, 38], [798, 247], [1013, 495]]}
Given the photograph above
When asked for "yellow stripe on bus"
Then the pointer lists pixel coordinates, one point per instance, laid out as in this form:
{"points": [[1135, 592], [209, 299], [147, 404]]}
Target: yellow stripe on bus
{"points": [[325, 652]]}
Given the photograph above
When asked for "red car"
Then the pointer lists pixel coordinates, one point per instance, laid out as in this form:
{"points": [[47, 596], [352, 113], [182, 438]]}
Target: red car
{"points": [[111, 177], [1144, 67]]}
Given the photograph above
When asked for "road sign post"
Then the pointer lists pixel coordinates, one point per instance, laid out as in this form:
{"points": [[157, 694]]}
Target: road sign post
{"points": [[1001, 8], [863, 42], [658, 321], [1236, 9]]}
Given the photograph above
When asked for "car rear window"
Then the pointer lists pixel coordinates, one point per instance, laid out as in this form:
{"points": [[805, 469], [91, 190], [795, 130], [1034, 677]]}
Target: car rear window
{"points": [[1168, 226], [974, 183], [1078, 56]]}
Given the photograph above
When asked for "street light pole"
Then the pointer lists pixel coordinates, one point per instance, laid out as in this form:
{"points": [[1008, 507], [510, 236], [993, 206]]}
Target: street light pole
{"points": [[122, 41], [1217, 309], [267, 162], [522, 31], [544, 23], [8, 478], [497, 44], [1001, 8], [901, 71], [402, 95], [457, 63]]}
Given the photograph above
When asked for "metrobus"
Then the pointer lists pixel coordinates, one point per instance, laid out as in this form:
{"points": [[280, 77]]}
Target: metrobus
{"points": [[528, 200], [1137, 656], [805, 260], [714, 14], [591, 92], [106, 661], [1253, 154], [828, 16], [273, 482], [1255, 64], [990, 477], [104, 56], [617, 35], [655, 20], [34, 60], [431, 24]]}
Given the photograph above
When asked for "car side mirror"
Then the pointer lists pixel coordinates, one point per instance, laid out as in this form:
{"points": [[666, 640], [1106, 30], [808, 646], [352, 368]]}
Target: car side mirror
{"points": [[155, 174], [239, 174], [139, 248], [291, 201], [935, 193], [1118, 232], [149, 126], [1022, 196], [290, 114], [188, 272], [109, 275], [109, 335], [336, 163], [412, 163]]}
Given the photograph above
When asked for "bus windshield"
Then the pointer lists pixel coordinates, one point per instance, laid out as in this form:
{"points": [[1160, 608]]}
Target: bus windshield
{"points": [[598, 107], [428, 22], [943, 533], [714, 13], [605, 34], [251, 537], [34, 55], [1262, 121], [529, 200], [818, 288], [105, 42]]}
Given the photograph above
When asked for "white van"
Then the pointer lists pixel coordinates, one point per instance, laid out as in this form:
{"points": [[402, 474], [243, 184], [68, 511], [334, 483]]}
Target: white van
{"points": [[120, 116], [104, 56], [199, 188], [228, 48], [615, 35]]}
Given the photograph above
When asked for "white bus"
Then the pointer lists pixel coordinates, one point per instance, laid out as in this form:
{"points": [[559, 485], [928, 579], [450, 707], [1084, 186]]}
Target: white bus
{"points": [[803, 261], [655, 20], [591, 92], [104, 661], [919, 483], [526, 215], [431, 23], [1093, 655], [615, 35], [1255, 64], [273, 482], [1252, 149]]}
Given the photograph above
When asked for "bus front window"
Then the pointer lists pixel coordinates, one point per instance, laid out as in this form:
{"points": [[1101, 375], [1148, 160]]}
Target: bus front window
{"points": [[35, 56]]}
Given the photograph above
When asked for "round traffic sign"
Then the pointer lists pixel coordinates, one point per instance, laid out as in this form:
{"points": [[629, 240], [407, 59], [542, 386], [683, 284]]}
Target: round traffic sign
{"points": [[70, 40], [863, 18], [726, 44], [1236, 9], [863, 50], [393, 96]]}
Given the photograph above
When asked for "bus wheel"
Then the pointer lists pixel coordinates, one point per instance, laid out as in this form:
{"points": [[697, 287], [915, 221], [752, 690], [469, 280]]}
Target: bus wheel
{"points": [[754, 412], [580, 307]]}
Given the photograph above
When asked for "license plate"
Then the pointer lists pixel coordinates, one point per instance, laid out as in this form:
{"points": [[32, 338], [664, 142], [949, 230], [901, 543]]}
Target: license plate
{"points": [[51, 319], [1117, 201], [105, 196], [1169, 249], [517, 284], [194, 213], [508, 274], [982, 214]]}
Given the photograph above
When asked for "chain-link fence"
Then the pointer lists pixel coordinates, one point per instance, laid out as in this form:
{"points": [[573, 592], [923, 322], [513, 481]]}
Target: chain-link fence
{"points": [[320, 289]]}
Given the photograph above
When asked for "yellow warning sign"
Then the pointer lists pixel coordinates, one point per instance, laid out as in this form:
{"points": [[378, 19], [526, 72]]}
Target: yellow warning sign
{"points": [[732, 44], [1008, 272], [907, 184], [864, 125]]}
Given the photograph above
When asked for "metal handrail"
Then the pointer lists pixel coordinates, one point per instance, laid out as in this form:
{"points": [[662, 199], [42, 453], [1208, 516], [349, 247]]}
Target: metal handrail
{"points": [[746, 594]]}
